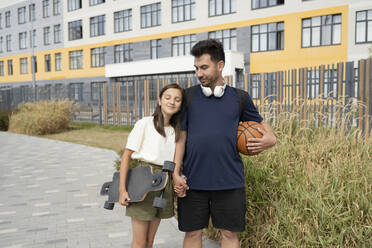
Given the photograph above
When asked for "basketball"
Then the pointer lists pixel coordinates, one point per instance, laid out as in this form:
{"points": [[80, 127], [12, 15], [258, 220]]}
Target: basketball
{"points": [[246, 130]]}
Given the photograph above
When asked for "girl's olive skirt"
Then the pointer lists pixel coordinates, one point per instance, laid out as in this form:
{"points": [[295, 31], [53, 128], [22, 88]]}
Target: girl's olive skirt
{"points": [[144, 210]]}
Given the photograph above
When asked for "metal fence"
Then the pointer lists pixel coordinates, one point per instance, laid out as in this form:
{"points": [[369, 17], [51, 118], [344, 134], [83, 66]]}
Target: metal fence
{"points": [[324, 95]]}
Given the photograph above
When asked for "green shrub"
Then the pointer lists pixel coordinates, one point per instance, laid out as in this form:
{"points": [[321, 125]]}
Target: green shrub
{"points": [[4, 120], [44, 117], [313, 189]]}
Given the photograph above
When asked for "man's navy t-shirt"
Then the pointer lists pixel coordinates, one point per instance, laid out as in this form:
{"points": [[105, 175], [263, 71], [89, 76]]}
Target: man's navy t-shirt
{"points": [[212, 161]]}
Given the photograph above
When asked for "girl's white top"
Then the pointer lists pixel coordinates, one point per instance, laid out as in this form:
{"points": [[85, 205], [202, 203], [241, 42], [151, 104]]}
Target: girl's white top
{"points": [[148, 145]]}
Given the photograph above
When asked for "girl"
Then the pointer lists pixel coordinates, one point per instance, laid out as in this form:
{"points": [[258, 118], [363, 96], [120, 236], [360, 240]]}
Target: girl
{"points": [[151, 142]]}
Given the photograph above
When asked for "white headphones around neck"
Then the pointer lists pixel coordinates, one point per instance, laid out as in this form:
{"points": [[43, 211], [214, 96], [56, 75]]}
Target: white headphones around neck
{"points": [[218, 90]]}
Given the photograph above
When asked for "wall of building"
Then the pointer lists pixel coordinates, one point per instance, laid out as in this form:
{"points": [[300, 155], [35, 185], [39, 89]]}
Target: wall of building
{"points": [[292, 56]]}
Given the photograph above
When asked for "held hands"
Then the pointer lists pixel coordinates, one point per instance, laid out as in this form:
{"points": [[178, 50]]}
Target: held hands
{"points": [[180, 185], [259, 144], [124, 198]]}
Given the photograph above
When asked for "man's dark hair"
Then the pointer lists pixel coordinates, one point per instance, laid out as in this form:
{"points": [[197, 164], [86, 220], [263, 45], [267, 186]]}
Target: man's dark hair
{"points": [[212, 47]]}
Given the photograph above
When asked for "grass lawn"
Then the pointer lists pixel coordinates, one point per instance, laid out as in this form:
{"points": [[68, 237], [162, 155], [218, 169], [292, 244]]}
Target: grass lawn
{"points": [[109, 137]]}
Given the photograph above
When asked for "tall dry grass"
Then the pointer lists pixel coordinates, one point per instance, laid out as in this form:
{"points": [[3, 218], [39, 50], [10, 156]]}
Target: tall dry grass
{"points": [[44, 117], [313, 189]]}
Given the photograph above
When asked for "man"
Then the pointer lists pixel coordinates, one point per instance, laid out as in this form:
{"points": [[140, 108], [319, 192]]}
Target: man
{"points": [[211, 162]]}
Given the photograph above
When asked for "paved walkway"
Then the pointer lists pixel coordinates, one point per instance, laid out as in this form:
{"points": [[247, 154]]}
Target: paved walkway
{"points": [[49, 197]]}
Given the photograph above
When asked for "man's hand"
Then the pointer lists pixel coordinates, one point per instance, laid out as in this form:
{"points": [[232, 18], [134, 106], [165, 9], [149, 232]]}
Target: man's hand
{"points": [[259, 144], [180, 185]]}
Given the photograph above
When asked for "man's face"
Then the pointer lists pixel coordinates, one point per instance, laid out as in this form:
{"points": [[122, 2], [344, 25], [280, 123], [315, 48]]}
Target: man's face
{"points": [[207, 71]]}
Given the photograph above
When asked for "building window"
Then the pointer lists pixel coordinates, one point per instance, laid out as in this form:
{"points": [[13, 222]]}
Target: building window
{"points": [[1, 21], [7, 19], [123, 20], [321, 31], [56, 7], [150, 15], [97, 26], [21, 15], [181, 45], [221, 7], [76, 91], [33, 38], [46, 35], [155, 49], [267, 37], [95, 2], [1, 68], [97, 56], [57, 33], [94, 89], [363, 26], [73, 5], [31, 9], [24, 65], [23, 40], [10, 67], [123, 53], [1, 44], [75, 30], [46, 8], [227, 37], [183, 10], [47, 60], [58, 61], [258, 4], [76, 59], [9, 43]]}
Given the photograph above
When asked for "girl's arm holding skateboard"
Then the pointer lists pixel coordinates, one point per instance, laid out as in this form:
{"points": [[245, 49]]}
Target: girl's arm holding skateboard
{"points": [[124, 167]]}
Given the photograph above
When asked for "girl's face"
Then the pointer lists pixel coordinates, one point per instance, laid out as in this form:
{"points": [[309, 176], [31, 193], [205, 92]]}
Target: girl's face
{"points": [[170, 102]]}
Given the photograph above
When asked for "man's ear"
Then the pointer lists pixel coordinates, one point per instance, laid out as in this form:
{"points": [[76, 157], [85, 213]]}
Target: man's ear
{"points": [[220, 65]]}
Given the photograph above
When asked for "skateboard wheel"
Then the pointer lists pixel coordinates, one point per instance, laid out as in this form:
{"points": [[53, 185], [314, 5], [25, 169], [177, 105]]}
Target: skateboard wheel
{"points": [[109, 205], [168, 166], [105, 188], [159, 202]]}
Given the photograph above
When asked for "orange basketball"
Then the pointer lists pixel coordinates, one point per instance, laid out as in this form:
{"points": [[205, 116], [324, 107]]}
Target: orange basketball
{"points": [[246, 130]]}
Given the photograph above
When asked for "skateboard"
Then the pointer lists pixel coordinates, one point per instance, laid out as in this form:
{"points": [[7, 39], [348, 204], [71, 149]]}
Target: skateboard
{"points": [[140, 181]]}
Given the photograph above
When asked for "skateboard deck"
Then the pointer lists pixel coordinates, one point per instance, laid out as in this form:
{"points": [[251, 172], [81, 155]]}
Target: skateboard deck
{"points": [[140, 181]]}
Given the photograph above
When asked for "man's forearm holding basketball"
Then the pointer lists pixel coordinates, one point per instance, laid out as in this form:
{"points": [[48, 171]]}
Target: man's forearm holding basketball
{"points": [[268, 139]]}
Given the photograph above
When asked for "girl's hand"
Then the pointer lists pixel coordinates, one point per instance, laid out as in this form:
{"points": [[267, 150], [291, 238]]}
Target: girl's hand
{"points": [[180, 185], [124, 198]]}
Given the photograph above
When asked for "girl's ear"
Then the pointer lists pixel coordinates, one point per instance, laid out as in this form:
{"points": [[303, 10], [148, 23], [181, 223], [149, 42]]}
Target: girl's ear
{"points": [[159, 101]]}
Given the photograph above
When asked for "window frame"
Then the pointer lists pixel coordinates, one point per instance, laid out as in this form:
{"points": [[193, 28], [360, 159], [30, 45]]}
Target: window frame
{"points": [[76, 60], [268, 4], [97, 25], [75, 28], [311, 27], [22, 40], [365, 31], [22, 15], [97, 57], [279, 32], [157, 12], [121, 17], [23, 65], [232, 5], [183, 5], [58, 62]]}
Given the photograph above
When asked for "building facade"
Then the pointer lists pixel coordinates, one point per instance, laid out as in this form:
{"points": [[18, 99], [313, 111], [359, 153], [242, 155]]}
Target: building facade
{"points": [[75, 42]]}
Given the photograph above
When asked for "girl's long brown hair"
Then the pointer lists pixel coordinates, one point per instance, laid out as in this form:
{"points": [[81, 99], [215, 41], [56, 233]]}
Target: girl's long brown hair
{"points": [[175, 120]]}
